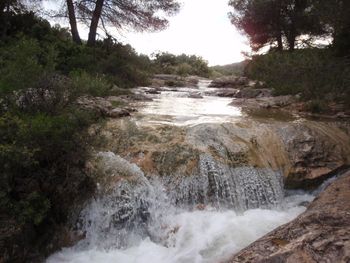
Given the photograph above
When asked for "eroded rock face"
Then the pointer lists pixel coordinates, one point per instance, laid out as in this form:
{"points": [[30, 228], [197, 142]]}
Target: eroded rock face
{"points": [[321, 234], [315, 152], [304, 152]]}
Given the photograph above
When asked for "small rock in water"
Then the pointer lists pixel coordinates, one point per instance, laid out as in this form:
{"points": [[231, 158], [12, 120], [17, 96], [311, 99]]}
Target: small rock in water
{"points": [[305, 203], [118, 113], [195, 96]]}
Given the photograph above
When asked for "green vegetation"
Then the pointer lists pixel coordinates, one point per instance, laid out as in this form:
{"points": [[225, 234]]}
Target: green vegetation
{"points": [[183, 65], [320, 74], [44, 140], [313, 73], [234, 69]]}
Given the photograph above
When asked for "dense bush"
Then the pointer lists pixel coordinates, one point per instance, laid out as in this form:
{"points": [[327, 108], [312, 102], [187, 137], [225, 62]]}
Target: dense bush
{"points": [[36, 148], [182, 65], [121, 65], [314, 73]]}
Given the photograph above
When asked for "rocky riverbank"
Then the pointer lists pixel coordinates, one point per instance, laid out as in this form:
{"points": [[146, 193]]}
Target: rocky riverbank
{"points": [[321, 234], [233, 163], [206, 159], [253, 96]]}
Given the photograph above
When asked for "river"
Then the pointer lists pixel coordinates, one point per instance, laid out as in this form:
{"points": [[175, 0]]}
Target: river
{"points": [[178, 208]]}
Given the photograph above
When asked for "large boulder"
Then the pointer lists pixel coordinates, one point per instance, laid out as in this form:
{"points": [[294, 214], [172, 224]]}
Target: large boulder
{"points": [[315, 152], [321, 234]]}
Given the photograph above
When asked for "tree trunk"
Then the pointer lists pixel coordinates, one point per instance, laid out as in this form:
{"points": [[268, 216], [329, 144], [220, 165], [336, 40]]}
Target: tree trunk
{"points": [[291, 42], [73, 22], [94, 22], [279, 26], [4, 16], [279, 42]]}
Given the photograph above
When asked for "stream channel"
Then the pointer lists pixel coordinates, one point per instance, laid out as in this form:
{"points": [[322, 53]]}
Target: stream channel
{"points": [[183, 190]]}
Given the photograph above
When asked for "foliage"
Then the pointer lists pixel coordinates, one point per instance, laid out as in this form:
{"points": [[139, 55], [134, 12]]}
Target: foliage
{"points": [[317, 106], [33, 209], [235, 69], [140, 15], [120, 64], [271, 21], [84, 83], [314, 73], [36, 148], [23, 69], [183, 65], [335, 17]]}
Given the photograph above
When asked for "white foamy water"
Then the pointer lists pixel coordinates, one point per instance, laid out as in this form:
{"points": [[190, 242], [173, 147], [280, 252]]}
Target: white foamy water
{"points": [[141, 222], [202, 236]]}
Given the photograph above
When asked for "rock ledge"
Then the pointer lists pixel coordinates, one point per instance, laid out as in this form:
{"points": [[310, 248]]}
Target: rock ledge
{"points": [[321, 234]]}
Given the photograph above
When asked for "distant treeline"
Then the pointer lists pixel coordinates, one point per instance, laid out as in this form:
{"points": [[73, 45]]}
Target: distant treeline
{"points": [[235, 69]]}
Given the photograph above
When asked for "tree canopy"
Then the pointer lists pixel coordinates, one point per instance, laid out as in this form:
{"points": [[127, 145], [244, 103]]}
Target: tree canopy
{"points": [[139, 15], [276, 22]]}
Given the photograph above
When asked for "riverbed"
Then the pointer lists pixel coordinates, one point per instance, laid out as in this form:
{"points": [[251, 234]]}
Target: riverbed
{"points": [[190, 204]]}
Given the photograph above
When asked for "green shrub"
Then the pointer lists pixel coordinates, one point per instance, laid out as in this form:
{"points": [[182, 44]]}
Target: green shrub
{"points": [[86, 84], [33, 209], [39, 148], [184, 65], [184, 69], [20, 66], [314, 73], [317, 106]]}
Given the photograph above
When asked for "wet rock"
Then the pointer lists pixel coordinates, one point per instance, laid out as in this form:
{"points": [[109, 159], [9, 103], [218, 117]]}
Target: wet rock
{"points": [[305, 203], [342, 115], [122, 217], [263, 101], [231, 93], [153, 91], [306, 152], [169, 80], [195, 96], [118, 113], [137, 97], [321, 234], [229, 82], [104, 106], [251, 93]]}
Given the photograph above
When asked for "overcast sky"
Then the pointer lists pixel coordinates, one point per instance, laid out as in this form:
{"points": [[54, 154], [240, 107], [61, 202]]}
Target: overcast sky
{"points": [[202, 27]]}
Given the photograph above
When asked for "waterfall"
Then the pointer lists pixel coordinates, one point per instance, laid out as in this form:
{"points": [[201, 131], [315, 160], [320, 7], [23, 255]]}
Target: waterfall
{"points": [[136, 207], [222, 186], [198, 218]]}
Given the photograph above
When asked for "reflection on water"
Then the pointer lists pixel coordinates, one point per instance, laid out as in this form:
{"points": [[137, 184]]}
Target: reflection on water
{"points": [[271, 114], [188, 106]]}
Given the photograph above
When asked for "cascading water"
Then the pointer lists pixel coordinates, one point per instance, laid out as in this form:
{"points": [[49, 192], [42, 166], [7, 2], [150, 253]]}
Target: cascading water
{"points": [[221, 186], [221, 207], [200, 218]]}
